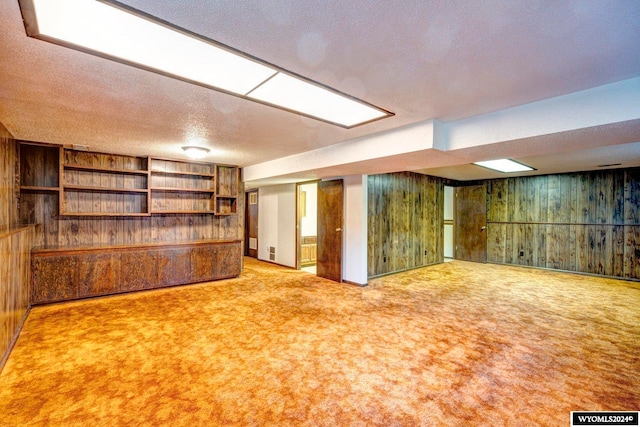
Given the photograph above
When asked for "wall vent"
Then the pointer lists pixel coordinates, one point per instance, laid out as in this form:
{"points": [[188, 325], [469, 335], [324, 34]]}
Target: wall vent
{"points": [[272, 253]]}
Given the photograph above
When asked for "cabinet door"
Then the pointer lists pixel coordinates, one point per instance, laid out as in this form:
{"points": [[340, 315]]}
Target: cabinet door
{"points": [[305, 255], [217, 261], [98, 274], [204, 263], [54, 278], [174, 266], [139, 270], [229, 260]]}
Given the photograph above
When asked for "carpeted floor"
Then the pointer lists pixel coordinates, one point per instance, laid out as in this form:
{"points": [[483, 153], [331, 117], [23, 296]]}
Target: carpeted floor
{"points": [[453, 344]]}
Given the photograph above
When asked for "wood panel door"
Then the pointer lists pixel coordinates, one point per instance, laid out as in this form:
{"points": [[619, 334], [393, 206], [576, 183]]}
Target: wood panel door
{"points": [[471, 223], [251, 224], [330, 201]]}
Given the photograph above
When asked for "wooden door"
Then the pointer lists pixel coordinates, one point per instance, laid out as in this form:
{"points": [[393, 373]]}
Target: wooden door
{"points": [[251, 224], [471, 223], [330, 199]]}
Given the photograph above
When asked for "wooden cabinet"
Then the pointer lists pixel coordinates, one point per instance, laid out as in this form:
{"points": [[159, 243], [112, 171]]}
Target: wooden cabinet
{"points": [[174, 266], [206, 261], [98, 273], [138, 270], [213, 260], [62, 274], [53, 278], [308, 250]]}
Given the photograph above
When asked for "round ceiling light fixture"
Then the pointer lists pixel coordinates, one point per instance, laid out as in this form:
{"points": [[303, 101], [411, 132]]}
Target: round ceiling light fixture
{"points": [[195, 151]]}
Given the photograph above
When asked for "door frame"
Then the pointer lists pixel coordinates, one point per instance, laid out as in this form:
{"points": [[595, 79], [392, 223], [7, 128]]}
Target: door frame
{"points": [[247, 196], [299, 221]]}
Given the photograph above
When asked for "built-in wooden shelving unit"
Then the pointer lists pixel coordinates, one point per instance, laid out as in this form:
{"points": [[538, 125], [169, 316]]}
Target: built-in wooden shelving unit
{"points": [[182, 187], [39, 167], [226, 196], [101, 184], [113, 223]]}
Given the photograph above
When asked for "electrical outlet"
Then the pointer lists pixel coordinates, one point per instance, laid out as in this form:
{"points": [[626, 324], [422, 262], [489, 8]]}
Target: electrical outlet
{"points": [[521, 253]]}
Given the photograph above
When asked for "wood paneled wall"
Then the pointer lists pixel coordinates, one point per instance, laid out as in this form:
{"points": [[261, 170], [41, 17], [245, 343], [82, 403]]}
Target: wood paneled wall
{"points": [[405, 228], [90, 231], [15, 260], [586, 222], [8, 175], [15, 247]]}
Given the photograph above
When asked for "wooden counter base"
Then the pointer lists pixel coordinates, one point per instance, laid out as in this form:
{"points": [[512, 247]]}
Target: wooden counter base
{"points": [[62, 274]]}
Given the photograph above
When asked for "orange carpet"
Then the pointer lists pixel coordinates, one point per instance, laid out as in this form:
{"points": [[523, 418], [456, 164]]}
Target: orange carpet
{"points": [[453, 344]]}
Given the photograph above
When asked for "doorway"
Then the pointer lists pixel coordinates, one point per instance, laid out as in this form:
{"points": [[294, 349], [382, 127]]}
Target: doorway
{"points": [[251, 224], [471, 223], [448, 223], [307, 227]]}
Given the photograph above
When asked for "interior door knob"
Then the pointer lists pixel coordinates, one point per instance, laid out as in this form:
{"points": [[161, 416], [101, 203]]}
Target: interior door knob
{"points": [[338, 229], [483, 228]]}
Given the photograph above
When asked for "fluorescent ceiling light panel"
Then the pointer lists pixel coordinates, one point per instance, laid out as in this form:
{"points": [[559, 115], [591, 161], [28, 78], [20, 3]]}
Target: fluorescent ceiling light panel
{"points": [[504, 165], [313, 100], [114, 31]]}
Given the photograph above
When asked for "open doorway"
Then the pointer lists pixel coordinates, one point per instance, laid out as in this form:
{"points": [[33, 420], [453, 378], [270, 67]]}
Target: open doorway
{"points": [[251, 224], [307, 226], [448, 223]]}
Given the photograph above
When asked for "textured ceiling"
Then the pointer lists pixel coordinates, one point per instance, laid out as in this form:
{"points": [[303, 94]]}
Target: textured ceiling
{"points": [[444, 60]]}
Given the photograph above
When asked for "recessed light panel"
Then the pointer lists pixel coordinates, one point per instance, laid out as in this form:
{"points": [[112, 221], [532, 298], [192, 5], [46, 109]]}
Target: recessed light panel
{"points": [[298, 95], [114, 32], [504, 165], [111, 30]]}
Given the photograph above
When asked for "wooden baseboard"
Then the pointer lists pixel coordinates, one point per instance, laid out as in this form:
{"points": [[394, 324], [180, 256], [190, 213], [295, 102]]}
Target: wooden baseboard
{"points": [[403, 270], [633, 280]]}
